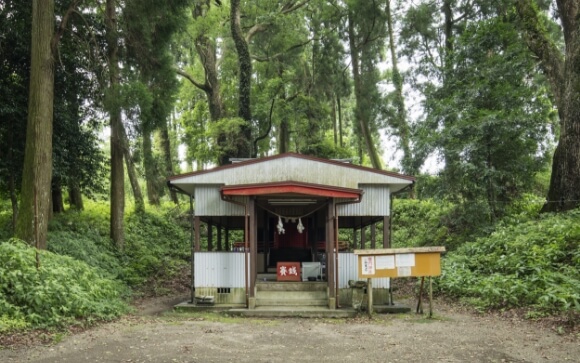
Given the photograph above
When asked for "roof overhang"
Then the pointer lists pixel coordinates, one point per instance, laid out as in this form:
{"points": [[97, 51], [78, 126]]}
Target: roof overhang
{"points": [[291, 188]]}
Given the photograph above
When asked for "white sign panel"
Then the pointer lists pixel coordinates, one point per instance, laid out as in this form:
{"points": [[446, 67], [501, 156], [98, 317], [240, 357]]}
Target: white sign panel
{"points": [[385, 262], [368, 265], [405, 260]]}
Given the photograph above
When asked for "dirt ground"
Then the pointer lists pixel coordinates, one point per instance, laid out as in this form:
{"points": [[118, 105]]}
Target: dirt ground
{"points": [[155, 334]]}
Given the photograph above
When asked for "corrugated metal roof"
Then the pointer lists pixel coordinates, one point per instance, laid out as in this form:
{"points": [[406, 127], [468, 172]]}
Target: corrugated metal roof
{"points": [[292, 167]]}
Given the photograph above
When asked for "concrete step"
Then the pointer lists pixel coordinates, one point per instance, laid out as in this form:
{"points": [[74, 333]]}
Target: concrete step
{"points": [[291, 302], [293, 311], [291, 286], [292, 295], [266, 277]]}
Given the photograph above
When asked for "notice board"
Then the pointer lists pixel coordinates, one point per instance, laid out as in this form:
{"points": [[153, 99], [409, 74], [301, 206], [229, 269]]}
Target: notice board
{"points": [[399, 262]]}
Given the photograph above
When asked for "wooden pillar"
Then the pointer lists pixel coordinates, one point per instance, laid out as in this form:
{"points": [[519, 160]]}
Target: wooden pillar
{"points": [[209, 236], [330, 270], [363, 238], [196, 227], [265, 238], [373, 236], [354, 238], [219, 237], [386, 232], [227, 242], [253, 246]]}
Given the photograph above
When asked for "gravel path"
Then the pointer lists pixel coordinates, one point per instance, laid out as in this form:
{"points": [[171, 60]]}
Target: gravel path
{"points": [[453, 336]]}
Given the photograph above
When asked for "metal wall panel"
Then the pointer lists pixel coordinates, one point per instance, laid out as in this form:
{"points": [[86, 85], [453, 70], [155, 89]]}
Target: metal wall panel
{"points": [[348, 270], [219, 269], [375, 202], [208, 202]]}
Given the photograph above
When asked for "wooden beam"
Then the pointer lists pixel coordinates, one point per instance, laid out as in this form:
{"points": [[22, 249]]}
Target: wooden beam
{"points": [[373, 236], [363, 237], [209, 237]]}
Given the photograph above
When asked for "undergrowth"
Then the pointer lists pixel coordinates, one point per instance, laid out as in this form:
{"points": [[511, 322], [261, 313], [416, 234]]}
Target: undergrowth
{"points": [[533, 264], [84, 277]]}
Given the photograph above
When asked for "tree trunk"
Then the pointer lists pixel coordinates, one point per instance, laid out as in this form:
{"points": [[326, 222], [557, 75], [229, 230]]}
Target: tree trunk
{"points": [[75, 196], [563, 73], [132, 172], [149, 165], [117, 168], [339, 107], [168, 161], [245, 81], [207, 54], [400, 123], [361, 114], [37, 170], [13, 195], [57, 200]]}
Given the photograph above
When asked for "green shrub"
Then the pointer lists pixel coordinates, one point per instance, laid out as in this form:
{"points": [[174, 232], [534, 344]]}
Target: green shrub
{"points": [[535, 264], [59, 292]]}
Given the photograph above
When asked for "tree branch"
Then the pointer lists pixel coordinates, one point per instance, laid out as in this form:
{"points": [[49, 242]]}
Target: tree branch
{"points": [[62, 27], [190, 78], [278, 55]]}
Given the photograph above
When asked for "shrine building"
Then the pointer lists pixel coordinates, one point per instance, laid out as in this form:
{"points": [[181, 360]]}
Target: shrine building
{"points": [[267, 232]]}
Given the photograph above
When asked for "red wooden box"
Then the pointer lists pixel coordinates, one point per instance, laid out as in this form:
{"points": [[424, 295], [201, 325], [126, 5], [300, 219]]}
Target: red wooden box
{"points": [[288, 271]]}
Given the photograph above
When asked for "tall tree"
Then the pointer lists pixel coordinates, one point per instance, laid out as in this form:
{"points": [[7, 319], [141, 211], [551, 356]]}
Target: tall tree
{"points": [[117, 231], [562, 68], [366, 31], [244, 80], [32, 221], [399, 119]]}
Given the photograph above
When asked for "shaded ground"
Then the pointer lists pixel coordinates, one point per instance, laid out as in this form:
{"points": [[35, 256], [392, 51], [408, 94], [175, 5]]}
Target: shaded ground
{"points": [[453, 336]]}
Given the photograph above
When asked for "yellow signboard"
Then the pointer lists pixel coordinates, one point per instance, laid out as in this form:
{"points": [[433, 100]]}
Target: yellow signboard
{"points": [[399, 262]]}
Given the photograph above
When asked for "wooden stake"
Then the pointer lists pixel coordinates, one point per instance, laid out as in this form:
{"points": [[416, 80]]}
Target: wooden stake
{"points": [[420, 302], [430, 297], [370, 296]]}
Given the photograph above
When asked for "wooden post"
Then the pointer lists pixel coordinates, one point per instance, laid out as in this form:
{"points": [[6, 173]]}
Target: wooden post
{"points": [[430, 297], [253, 244], [373, 236], [219, 237], [227, 232], [370, 296], [420, 301], [386, 232], [209, 237], [363, 238], [330, 255], [196, 227]]}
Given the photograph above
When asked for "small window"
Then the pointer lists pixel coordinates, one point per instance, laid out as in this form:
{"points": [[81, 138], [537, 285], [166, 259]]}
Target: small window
{"points": [[224, 290]]}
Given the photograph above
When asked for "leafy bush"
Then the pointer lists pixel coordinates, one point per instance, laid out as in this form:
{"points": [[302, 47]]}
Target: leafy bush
{"points": [[419, 223], [59, 292], [535, 264]]}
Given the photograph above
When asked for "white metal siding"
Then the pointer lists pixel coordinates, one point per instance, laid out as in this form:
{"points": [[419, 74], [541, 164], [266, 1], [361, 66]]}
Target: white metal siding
{"points": [[348, 270], [375, 202], [208, 202], [219, 269]]}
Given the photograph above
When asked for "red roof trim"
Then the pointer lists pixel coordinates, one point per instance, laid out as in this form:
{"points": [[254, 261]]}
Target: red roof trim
{"points": [[299, 156], [291, 187]]}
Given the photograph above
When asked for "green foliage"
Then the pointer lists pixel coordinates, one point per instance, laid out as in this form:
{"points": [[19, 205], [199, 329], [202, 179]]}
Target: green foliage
{"points": [[535, 264], [418, 223], [59, 292]]}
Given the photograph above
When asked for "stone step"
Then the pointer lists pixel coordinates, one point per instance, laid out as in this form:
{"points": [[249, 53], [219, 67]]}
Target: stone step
{"points": [[292, 295], [291, 286], [291, 302]]}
